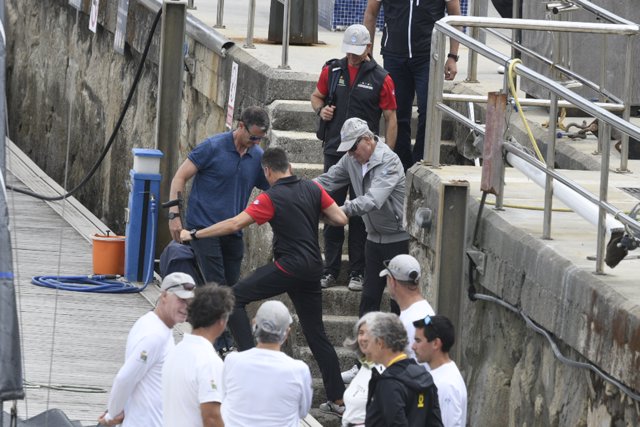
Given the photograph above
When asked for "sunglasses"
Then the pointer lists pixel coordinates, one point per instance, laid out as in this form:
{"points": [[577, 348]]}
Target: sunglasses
{"points": [[254, 138], [386, 265], [185, 286], [432, 336], [355, 146]]}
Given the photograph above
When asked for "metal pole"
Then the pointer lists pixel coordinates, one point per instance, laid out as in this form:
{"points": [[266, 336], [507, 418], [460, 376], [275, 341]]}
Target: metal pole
{"points": [[190, 5], [252, 16], [551, 159], [626, 114], [472, 68], [219, 15], [604, 135], [169, 102], [285, 35]]}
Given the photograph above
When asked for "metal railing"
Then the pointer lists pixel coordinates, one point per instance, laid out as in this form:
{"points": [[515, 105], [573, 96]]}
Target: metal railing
{"points": [[436, 107], [286, 19]]}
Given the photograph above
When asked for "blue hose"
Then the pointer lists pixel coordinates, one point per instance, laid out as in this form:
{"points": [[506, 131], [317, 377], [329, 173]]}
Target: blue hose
{"points": [[100, 283]]}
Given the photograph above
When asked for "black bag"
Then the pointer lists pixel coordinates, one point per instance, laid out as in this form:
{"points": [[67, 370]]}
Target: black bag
{"points": [[177, 257], [334, 76]]}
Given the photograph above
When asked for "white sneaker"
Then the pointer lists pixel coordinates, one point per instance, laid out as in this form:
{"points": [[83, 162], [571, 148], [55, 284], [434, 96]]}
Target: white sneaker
{"points": [[327, 281], [348, 376], [332, 408], [355, 282]]}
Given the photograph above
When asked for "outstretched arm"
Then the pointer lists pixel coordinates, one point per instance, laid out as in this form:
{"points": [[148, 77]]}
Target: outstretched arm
{"points": [[223, 228], [335, 216]]}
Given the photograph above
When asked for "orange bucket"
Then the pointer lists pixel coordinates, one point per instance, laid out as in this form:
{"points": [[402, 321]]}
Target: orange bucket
{"points": [[108, 254]]}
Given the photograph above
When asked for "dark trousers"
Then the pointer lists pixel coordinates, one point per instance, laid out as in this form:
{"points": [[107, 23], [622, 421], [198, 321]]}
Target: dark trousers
{"points": [[220, 259], [306, 295], [334, 236], [374, 285], [411, 78]]}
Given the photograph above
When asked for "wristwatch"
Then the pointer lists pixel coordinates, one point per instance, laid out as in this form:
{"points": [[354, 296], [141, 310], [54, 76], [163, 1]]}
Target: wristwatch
{"points": [[173, 215], [454, 56], [193, 234]]}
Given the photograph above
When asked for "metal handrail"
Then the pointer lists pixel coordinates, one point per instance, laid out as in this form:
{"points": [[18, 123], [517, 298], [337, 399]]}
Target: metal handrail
{"points": [[436, 107], [198, 30]]}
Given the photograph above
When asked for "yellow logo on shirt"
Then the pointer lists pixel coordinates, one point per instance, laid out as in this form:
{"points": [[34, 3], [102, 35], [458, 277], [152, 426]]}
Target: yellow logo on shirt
{"points": [[143, 356], [421, 400]]}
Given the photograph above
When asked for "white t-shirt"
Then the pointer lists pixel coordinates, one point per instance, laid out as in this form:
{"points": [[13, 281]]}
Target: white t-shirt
{"points": [[265, 388], [416, 311], [355, 396], [192, 375], [137, 388], [452, 394]]}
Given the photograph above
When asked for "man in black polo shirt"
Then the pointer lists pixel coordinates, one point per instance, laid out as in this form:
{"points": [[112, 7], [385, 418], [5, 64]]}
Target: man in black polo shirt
{"points": [[293, 206]]}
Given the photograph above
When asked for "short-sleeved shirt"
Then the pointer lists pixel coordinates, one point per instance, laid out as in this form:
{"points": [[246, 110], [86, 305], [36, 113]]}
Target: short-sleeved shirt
{"points": [[224, 181], [387, 93], [192, 375]]}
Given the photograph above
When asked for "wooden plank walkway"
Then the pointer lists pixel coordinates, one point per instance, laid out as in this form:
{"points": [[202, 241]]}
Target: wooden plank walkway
{"points": [[68, 338]]}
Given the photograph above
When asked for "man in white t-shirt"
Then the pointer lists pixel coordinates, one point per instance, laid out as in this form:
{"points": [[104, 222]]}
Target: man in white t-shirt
{"points": [[192, 374], [403, 276], [136, 394], [434, 337], [263, 387]]}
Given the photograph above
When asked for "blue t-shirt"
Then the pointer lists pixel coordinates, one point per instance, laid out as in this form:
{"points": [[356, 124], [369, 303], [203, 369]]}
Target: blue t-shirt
{"points": [[224, 181]]}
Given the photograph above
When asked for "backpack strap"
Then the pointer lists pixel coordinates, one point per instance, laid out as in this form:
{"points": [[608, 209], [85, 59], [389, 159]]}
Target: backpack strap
{"points": [[334, 77]]}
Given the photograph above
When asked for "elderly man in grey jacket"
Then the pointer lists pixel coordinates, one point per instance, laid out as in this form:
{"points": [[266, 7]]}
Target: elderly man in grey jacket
{"points": [[376, 175]]}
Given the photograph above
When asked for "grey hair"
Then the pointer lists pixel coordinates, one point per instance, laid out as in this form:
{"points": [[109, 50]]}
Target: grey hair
{"points": [[352, 342], [267, 337], [388, 328]]}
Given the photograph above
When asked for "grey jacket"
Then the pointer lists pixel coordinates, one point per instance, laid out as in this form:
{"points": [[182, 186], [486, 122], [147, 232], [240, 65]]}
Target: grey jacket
{"points": [[380, 193]]}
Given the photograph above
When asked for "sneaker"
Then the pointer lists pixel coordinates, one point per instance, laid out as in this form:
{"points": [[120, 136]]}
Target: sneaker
{"points": [[355, 282], [327, 280], [348, 376], [332, 408]]}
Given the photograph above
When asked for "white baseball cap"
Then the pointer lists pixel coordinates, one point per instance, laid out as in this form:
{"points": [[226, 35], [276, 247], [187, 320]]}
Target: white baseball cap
{"points": [[180, 284], [402, 267], [352, 129], [274, 318], [355, 40]]}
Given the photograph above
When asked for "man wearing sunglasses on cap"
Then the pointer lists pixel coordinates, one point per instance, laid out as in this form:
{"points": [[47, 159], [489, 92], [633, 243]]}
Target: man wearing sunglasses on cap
{"points": [[434, 337], [136, 394], [225, 168], [377, 177]]}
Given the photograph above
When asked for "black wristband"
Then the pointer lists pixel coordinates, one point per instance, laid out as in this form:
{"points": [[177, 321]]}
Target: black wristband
{"points": [[193, 234], [453, 56]]}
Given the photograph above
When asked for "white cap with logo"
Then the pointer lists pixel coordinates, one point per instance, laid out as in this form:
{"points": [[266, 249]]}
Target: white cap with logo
{"points": [[402, 267], [355, 40], [352, 129]]}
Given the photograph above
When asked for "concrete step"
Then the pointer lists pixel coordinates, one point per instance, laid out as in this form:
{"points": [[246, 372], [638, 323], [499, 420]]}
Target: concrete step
{"points": [[346, 357], [337, 328], [293, 115], [301, 147], [307, 170], [342, 301]]}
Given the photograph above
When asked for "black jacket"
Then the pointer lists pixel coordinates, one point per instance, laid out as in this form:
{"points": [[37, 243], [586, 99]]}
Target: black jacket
{"points": [[360, 99], [406, 20], [403, 395]]}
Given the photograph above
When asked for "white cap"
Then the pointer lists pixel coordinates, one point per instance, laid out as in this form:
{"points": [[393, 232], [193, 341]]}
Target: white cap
{"points": [[352, 129], [180, 284], [273, 317], [355, 40], [402, 267]]}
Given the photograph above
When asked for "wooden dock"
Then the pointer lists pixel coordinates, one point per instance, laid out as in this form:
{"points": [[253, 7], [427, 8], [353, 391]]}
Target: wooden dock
{"points": [[73, 342]]}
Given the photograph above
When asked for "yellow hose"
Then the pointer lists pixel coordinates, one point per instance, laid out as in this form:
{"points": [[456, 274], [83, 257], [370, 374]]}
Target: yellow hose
{"points": [[512, 88]]}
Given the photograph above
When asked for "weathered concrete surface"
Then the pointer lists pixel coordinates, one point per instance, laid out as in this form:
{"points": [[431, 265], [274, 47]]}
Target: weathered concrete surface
{"points": [[592, 318]]}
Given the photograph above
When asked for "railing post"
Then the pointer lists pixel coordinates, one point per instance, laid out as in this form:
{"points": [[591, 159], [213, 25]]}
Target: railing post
{"points": [[472, 67], [250, 24], [285, 35], [604, 135], [626, 114], [433, 121], [551, 159], [219, 14]]}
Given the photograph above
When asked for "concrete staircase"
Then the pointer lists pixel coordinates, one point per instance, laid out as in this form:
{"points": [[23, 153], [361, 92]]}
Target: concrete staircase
{"points": [[293, 126]]}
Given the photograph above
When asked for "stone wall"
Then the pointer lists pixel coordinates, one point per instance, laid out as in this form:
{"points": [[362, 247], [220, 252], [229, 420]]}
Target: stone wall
{"points": [[511, 373]]}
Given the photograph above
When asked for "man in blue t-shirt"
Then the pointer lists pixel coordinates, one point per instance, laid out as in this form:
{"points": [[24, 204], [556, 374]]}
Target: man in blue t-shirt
{"points": [[225, 168]]}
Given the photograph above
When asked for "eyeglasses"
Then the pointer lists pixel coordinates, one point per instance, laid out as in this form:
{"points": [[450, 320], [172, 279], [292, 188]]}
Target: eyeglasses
{"points": [[254, 138], [355, 146], [185, 286]]}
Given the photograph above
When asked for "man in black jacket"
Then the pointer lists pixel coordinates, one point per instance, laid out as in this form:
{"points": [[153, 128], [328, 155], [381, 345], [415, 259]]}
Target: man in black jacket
{"points": [[354, 86], [404, 394]]}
